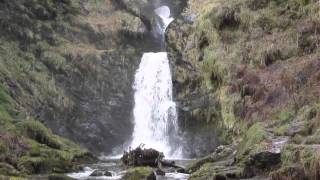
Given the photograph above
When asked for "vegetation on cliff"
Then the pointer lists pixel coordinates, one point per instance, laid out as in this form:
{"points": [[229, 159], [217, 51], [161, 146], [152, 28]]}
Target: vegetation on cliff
{"points": [[56, 63], [257, 62]]}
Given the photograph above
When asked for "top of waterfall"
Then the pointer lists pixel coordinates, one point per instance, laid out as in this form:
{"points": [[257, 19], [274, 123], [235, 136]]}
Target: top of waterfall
{"points": [[164, 13]]}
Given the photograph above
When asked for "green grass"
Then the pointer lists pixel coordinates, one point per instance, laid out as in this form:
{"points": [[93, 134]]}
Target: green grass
{"points": [[306, 157], [282, 130], [38, 132], [254, 140], [30, 57]]}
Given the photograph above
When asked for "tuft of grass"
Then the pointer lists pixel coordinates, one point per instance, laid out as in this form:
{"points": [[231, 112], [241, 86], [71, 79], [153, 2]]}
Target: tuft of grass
{"points": [[304, 156], [282, 130], [253, 141], [38, 132], [53, 61], [282, 123]]}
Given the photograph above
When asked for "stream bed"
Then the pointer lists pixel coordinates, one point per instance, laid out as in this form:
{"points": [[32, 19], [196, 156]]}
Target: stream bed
{"points": [[117, 171]]}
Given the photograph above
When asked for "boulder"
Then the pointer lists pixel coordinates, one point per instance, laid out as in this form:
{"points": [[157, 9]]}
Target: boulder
{"points": [[181, 170], [140, 173], [97, 173], [260, 162], [222, 152], [107, 173], [160, 172]]}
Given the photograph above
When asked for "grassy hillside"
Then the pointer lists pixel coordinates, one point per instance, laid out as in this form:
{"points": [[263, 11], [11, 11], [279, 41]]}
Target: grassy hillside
{"points": [[258, 62], [31, 54]]}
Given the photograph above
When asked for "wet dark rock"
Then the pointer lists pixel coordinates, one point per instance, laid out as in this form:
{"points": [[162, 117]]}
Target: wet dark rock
{"points": [[181, 170], [220, 177], [59, 177], [263, 160], [160, 172], [107, 173], [97, 173]]}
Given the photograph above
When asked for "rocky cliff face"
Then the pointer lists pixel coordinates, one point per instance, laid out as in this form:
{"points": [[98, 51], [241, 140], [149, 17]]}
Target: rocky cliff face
{"points": [[67, 68], [250, 69], [69, 65]]}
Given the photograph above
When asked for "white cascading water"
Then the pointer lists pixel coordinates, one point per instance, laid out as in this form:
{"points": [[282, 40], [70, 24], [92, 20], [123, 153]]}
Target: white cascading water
{"points": [[155, 111]]}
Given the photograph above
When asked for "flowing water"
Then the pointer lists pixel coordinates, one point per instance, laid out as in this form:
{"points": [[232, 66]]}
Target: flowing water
{"points": [[155, 111], [155, 114]]}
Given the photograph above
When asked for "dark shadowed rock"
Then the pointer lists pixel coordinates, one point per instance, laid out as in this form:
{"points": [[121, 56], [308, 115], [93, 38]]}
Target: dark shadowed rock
{"points": [[107, 173], [160, 172], [181, 170], [59, 177], [97, 173]]}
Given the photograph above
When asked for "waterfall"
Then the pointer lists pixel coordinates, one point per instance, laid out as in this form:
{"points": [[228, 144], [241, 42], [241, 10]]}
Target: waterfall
{"points": [[155, 115]]}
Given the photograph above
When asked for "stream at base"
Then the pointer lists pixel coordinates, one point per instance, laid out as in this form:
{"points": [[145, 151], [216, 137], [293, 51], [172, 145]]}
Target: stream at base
{"points": [[117, 171]]}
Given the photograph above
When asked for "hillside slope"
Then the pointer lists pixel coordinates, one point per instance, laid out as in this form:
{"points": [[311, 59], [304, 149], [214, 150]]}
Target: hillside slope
{"points": [[250, 69]]}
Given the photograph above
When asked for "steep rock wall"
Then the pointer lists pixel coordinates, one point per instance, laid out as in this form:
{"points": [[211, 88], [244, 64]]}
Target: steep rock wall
{"points": [[71, 64]]}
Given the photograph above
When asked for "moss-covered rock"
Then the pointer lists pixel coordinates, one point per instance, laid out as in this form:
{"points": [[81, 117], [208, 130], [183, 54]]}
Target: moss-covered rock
{"points": [[222, 152], [145, 173], [9, 170], [38, 132]]}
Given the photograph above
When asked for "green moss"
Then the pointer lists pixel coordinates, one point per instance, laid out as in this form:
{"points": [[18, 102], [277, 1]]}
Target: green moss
{"points": [[229, 104], [30, 59], [43, 159], [282, 130], [6, 104], [139, 173], [8, 170], [303, 2], [297, 139], [207, 171], [253, 141], [282, 123], [285, 116], [34, 165]]}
